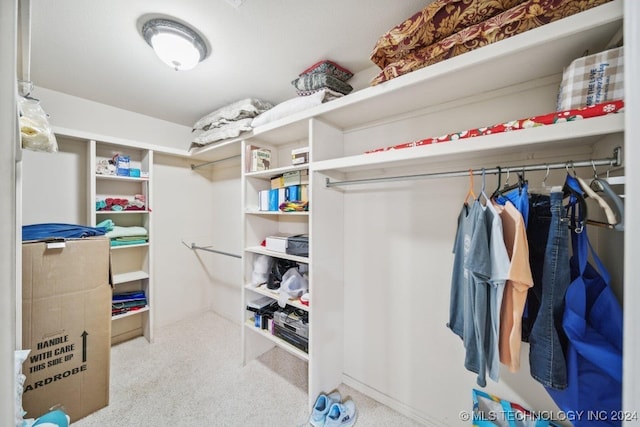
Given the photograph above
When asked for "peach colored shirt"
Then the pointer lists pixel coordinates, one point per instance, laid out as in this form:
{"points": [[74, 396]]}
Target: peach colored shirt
{"points": [[518, 283]]}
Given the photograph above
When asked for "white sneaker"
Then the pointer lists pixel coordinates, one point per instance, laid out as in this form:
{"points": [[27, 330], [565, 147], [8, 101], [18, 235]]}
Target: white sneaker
{"points": [[321, 408], [341, 415]]}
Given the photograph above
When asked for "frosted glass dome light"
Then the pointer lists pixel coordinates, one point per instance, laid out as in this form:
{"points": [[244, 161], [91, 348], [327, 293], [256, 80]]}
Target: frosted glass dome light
{"points": [[176, 45]]}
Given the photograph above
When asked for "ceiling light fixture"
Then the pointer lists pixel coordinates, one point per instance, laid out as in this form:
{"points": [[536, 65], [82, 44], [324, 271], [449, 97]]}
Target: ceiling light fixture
{"points": [[176, 45]]}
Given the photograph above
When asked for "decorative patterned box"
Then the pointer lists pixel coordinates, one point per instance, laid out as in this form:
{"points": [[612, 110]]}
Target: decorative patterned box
{"points": [[592, 80]]}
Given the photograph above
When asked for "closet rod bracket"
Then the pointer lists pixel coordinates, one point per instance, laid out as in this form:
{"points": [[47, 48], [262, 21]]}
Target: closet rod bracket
{"points": [[617, 155]]}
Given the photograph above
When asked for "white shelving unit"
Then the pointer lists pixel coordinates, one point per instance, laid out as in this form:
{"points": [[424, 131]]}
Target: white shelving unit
{"points": [[260, 224], [131, 265], [500, 70], [257, 226]]}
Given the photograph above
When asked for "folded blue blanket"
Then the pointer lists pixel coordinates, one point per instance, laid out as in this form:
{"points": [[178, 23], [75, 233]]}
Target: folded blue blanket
{"points": [[59, 230]]}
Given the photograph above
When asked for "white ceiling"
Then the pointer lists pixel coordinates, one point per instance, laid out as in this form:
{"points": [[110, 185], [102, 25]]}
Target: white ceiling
{"points": [[92, 49]]}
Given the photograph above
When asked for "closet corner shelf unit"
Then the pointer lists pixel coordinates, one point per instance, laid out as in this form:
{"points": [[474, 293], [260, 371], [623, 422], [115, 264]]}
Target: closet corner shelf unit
{"points": [[131, 265], [501, 67]]}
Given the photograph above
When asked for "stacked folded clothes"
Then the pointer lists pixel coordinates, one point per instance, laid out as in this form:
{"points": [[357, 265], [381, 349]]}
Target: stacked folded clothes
{"points": [[324, 75], [123, 236], [228, 122], [322, 82], [121, 203], [124, 302]]}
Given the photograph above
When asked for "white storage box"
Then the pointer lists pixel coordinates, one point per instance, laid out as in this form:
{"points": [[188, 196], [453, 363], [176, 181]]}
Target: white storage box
{"points": [[300, 156], [276, 243], [592, 80]]}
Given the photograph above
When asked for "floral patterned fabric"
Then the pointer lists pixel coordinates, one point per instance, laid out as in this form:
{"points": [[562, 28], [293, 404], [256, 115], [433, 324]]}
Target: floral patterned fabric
{"points": [[330, 68], [523, 17], [437, 20], [531, 122]]}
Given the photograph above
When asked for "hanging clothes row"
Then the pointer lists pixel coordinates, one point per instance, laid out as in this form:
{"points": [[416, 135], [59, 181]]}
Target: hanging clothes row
{"points": [[511, 276]]}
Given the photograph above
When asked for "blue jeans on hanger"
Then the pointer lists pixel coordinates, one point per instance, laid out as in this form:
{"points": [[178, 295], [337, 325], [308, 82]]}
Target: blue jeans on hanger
{"points": [[547, 340], [537, 236]]}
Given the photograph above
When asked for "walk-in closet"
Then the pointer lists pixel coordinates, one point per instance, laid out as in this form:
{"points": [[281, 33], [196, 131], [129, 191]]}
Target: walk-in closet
{"points": [[388, 171]]}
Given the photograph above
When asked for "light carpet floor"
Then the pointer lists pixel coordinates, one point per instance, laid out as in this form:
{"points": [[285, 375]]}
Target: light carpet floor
{"points": [[192, 375]]}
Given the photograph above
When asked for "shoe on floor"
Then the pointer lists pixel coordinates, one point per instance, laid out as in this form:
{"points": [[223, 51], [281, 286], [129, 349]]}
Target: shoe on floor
{"points": [[341, 415], [321, 408]]}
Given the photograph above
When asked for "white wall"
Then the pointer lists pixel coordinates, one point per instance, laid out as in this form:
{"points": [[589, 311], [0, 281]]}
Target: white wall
{"points": [[226, 223], [8, 133], [194, 207], [79, 114], [55, 184]]}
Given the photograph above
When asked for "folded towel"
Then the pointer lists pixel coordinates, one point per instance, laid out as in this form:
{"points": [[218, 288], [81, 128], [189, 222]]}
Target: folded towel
{"points": [[119, 231], [117, 242]]}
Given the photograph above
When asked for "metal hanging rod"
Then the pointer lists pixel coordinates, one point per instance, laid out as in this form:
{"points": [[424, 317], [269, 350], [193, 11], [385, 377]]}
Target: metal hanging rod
{"points": [[194, 167], [208, 249], [611, 161]]}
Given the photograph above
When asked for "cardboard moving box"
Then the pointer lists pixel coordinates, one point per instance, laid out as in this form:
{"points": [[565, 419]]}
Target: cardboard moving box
{"points": [[66, 323]]}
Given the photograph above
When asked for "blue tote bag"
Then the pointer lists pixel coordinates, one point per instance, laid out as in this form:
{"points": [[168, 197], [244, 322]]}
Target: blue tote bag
{"points": [[491, 411], [592, 321]]}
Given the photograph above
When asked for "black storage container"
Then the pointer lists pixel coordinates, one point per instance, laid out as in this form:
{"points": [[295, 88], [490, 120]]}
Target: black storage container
{"points": [[298, 245]]}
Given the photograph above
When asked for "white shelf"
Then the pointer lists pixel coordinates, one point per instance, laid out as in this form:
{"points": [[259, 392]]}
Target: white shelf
{"points": [[277, 341], [221, 150], [269, 173], [138, 245], [580, 132], [294, 213], [282, 255], [263, 290], [121, 178], [122, 212], [130, 313], [129, 277]]}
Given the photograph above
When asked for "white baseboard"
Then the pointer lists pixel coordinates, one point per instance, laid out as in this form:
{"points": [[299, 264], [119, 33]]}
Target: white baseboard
{"points": [[392, 403]]}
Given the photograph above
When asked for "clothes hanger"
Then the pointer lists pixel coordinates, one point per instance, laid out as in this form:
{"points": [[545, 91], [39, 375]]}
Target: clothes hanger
{"points": [[499, 180], [611, 217], [482, 192], [602, 186], [544, 187], [613, 180], [578, 186], [498, 192], [470, 193], [573, 191], [507, 188]]}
